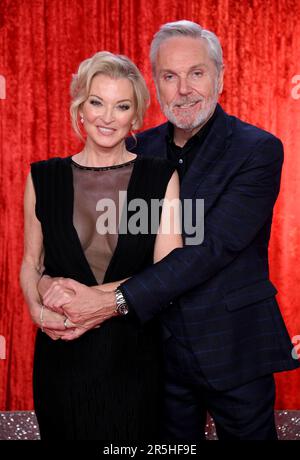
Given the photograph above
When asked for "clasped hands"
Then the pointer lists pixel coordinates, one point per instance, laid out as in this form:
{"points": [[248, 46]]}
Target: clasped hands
{"points": [[71, 308]]}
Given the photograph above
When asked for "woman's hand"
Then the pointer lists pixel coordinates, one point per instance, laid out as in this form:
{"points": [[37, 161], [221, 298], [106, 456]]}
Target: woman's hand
{"points": [[58, 292], [54, 294], [52, 323], [44, 283]]}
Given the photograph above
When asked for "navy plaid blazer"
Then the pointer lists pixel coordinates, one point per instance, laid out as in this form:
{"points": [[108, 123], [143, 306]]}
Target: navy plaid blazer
{"points": [[216, 297]]}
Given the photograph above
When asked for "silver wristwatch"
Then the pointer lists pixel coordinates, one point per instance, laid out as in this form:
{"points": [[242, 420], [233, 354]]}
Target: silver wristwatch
{"points": [[122, 307]]}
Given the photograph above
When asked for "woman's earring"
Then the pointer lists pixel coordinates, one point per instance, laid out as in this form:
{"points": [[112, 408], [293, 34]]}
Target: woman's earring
{"points": [[133, 134], [81, 119]]}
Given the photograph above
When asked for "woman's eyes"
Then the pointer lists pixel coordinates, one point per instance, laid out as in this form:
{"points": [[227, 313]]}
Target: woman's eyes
{"points": [[97, 103], [124, 107]]}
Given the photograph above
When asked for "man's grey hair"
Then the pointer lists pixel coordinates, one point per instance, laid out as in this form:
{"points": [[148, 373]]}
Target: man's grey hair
{"points": [[186, 28]]}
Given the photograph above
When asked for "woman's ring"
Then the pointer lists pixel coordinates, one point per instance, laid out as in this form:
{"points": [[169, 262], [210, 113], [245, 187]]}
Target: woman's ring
{"points": [[65, 323]]}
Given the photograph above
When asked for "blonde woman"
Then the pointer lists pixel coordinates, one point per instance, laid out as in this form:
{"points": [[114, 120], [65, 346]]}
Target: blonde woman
{"points": [[105, 384]]}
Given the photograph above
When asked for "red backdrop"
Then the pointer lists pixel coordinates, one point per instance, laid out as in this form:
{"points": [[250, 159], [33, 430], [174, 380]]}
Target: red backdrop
{"points": [[42, 43]]}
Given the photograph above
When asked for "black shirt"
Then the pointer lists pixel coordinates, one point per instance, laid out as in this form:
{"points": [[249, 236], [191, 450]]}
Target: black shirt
{"points": [[182, 157]]}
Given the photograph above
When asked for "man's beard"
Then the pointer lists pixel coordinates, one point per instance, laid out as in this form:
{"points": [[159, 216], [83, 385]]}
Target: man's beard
{"points": [[200, 119]]}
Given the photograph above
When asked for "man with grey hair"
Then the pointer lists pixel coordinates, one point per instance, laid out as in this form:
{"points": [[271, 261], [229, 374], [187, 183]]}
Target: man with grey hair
{"points": [[223, 333], [224, 336]]}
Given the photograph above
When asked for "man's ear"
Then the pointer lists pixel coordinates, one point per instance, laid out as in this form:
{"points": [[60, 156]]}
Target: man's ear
{"points": [[221, 80]]}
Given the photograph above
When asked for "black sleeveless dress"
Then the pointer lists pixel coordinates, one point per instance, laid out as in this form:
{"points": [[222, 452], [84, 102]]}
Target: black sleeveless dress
{"points": [[106, 385]]}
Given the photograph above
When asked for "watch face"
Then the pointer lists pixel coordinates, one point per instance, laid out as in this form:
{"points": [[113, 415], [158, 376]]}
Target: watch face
{"points": [[123, 309]]}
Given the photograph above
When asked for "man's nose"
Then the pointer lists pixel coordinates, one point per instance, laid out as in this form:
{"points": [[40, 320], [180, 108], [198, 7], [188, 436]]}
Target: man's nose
{"points": [[183, 86]]}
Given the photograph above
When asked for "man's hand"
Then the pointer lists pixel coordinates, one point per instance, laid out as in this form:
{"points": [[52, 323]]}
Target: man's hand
{"points": [[87, 309], [54, 294]]}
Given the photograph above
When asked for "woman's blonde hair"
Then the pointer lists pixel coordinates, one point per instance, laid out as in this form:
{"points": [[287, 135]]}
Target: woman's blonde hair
{"points": [[114, 66]]}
